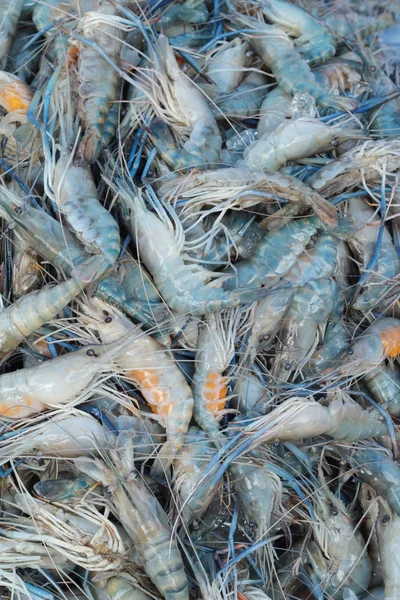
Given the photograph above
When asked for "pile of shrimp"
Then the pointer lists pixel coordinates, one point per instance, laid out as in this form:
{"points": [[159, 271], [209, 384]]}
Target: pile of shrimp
{"points": [[200, 300]]}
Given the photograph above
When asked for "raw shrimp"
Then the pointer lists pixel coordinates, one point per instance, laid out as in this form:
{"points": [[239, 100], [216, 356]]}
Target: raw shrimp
{"points": [[309, 310], [76, 197], [381, 340], [194, 491], [346, 26], [313, 41], [143, 519], [340, 75], [295, 139], [336, 339], [51, 383], [388, 531], [245, 100], [15, 94], [362, 163], [373, 465], [227, 66], [10, 12], [214, 354], [98, 80], [188, 107], [291, 71], [183, 286], [66, 435], [142, 360], [237, 184], [33, 310], [338, 556], [62, 490], [267, 320], [119, 588], [384, 386]]}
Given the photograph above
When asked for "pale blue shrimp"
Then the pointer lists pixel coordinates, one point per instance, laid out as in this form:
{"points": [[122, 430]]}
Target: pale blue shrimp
{"points": [[384, 386]]}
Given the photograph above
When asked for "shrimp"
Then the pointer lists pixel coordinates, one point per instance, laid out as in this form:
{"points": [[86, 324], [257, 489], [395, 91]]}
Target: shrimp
{"points": [[33, 310], [384, 386], [291, 71], [296, 419], [380, 341], [143, 519], [314, 41], [345, 26], [237, 184], [62, 490], [195, 493], [339, 76], [227, 66], [66, 435], [362, 163], [98, 80], [15, 94], [295, 139], [76, 197], [188, 107], [10, 13], [214, 354], [183, 286], [338, 555], [388, 532], [373, 465], [157, 376], [336, 340], [244, 101], [309, 310], [267, 321], [51, 383]]}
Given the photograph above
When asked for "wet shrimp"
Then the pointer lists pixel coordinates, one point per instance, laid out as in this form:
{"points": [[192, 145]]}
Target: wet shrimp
{"points": [[76, 197], [227, 66], [15, 94], [10, 13], [213, 356], [314, 41], [384, 386], [157, 376]]}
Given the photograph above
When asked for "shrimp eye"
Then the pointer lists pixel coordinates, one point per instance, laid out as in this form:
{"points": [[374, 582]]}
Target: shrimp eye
{"points": [[369, 496], [385, 519], [288, 366], [334, 512], [350, 351], [372, 69], [266, 337], [108, 320], [252, 524], [18, 210], [335, 143], [91, 352]]}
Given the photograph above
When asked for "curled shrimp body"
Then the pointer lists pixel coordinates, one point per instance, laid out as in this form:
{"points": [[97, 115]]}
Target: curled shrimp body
{"points": [[388, 532], [33, 310], [336, 340], [384, 386], [214, 354], [98, 80], [245, 100], [338, 555], [313, 41], [10, 13], [291, 70], [363, 244], [295, 139], [374, 466], [65, 435], [144, 521], [309, 309], [76, 197], [189, 468], [227, 66], [51, 383], [276, 108], [189, 107], [157, 376], [183, 286]]}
